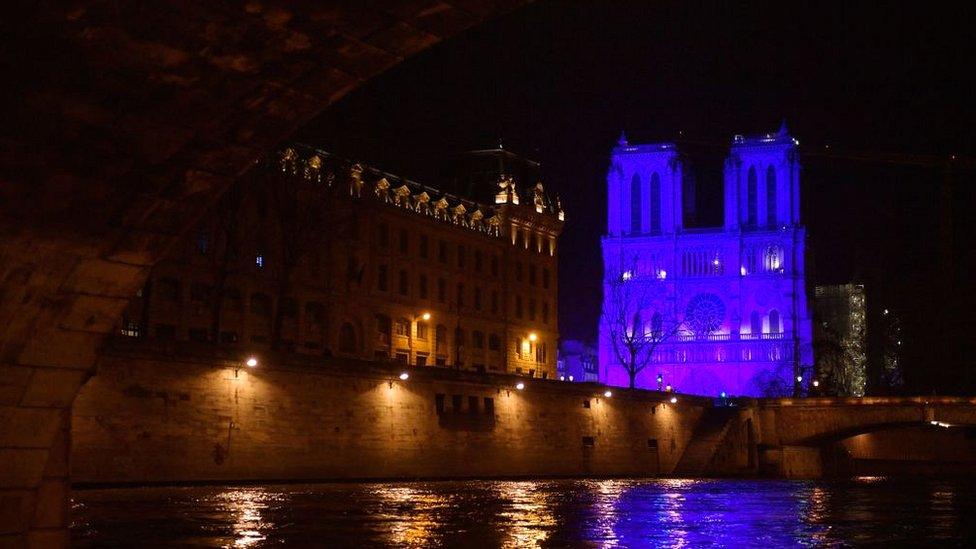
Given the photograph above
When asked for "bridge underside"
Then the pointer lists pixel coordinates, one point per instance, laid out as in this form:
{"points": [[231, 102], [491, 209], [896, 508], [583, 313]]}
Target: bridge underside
{"points": [[123, 123]]}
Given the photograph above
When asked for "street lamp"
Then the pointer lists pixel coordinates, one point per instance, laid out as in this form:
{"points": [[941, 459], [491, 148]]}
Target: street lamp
{"points": [[404, 376], [533, 336], [607, 394], [674, 400], [520, 386], [251, 362]]}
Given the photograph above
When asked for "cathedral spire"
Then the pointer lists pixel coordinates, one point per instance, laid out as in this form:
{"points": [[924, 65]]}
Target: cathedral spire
{"points": [[783, 132], [623, 139]]}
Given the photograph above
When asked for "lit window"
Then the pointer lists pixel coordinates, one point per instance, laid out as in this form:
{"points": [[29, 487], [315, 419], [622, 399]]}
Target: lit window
{"points": [[259, 261]]}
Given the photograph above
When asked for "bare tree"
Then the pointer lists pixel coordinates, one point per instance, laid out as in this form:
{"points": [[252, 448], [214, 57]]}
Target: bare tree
{"points": [[635, 328]]}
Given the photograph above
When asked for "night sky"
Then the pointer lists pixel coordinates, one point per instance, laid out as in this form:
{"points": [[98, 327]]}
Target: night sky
{"points": [[558, 81]]}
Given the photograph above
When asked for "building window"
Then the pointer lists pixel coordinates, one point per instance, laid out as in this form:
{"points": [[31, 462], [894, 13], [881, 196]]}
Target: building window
{"points": [[441, 290], [421, 330], [403, 357], [540, 353], [382, 278], [752, 205], [442, 251], [347, 338], [461, 256], [404, 242], [197, 334], [588, 442], [424, 241], [755, 325], [489, 406], [130, 328], [545, 278], [771, 196], [518, 306], [422, 286], [478, 339], [460, 295], [773, 259], [314, 318], [545, 312], [532, 272], [477, 299], [494, 266], [494, 342], [494, 302], [774, 324], [383, 235], [518, 271], [259, 260], [440, 338], [421, 360], [635, 204], [404, 285], [531, 309], [402, 327], [655, 203], [477, 260], [439, 403]]}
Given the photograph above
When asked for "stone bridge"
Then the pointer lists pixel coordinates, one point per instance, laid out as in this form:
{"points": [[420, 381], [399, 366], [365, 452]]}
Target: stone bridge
{"points": [[793, 434], [122, 123]]}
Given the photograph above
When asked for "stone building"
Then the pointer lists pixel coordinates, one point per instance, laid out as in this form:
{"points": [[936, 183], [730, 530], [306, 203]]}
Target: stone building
{"points": [[706, 310], [577, 361], [317, 255]]}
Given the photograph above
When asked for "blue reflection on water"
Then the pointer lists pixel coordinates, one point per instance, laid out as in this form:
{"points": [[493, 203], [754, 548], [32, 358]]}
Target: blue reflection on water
{"points": [[602, 513]]}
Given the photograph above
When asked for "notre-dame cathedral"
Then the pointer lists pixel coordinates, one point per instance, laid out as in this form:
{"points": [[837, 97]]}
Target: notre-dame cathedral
{"points": [[706, 310]]}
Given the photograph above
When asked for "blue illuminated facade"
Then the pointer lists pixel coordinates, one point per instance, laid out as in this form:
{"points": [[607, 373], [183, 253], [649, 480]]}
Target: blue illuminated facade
{"points": [[725, 308]]}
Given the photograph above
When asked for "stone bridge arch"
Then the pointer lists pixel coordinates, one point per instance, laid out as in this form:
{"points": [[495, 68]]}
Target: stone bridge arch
{"points": [[124, 122], [799, 422]]}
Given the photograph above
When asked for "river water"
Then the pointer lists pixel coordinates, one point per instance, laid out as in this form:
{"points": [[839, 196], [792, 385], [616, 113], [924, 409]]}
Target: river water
{"points": [[545, 513]]}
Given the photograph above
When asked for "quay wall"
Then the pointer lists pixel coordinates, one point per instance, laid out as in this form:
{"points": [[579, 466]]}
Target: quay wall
{"points": [[146, 419]]}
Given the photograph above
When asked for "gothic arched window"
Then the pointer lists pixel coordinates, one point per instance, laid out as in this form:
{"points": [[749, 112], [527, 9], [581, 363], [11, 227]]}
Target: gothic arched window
{"points": [[635, 204], [774, 327], [771, 197], [656, 326], [655, 203], [753, 207], [755, 324]]}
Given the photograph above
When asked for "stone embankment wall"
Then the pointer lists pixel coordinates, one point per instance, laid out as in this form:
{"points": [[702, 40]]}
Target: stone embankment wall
{"points": [[143, 419]]}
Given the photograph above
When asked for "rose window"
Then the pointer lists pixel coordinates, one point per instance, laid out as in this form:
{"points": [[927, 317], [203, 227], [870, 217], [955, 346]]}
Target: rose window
{"points": [[705, 314]]}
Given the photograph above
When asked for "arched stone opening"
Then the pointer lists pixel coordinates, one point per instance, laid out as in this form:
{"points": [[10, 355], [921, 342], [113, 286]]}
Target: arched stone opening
{"points": [[125, 123]]}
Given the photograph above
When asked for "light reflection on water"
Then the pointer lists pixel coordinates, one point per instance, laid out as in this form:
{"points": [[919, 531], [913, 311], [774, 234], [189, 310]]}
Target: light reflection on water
{"points": [[593, 513]]}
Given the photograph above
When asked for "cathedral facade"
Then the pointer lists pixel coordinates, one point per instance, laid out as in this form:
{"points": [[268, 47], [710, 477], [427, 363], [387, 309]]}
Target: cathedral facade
{"points": [[706, 310]]}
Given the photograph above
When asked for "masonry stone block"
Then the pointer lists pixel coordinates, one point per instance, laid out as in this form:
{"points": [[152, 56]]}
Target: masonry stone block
{"points": [[28, 427], [22, 467], [16, 507]]}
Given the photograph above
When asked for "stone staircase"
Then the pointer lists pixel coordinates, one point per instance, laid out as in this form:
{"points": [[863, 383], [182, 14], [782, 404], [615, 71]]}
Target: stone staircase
{"points": [[705, 441]]}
